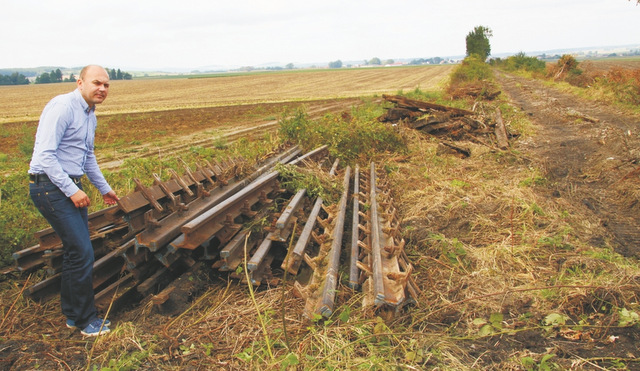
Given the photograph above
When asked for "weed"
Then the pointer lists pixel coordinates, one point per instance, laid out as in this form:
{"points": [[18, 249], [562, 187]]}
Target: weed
{"points": [[220, 143], [202, 152], [455, 183], [317, 184], [490, 327], [554, 320], [533, 180], [354, 138], [453, 250], [544, 365], [557, 241], [628, 318], [520, 62]]}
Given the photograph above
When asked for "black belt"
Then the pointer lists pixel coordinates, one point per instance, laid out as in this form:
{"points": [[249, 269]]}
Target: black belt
{"points": [[38, 178]]}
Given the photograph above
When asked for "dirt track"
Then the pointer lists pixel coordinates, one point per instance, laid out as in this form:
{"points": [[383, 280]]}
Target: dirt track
{"points": [[587, 148]]}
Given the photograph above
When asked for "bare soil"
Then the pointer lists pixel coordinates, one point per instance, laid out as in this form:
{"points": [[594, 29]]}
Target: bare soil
{"points": [[590, 152]]}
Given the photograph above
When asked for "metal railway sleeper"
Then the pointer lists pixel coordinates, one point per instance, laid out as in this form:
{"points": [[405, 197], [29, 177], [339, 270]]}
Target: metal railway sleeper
{"points": [[386, 270], [182, 222], [321, 290], [294, 257]]}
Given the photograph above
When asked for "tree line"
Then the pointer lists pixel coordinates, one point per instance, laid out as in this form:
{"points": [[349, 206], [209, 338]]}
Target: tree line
{"points": [[56, 76], [14, 79]]}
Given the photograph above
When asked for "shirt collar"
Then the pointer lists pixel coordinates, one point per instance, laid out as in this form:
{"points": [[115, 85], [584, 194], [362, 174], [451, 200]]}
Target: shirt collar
{"points": [[83, 103]]}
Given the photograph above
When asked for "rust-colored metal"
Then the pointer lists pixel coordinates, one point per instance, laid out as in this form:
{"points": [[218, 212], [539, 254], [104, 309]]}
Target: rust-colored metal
{"points": [[202, 227], [385, 265], [169, 229], [157, 232], [331, 279], [294, 257], [321, 291], [354, 274]]}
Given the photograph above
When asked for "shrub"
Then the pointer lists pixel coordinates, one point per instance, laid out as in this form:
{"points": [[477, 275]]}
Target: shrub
{"points": [[624, 84], [565, 65], [20, 218], [521, 62], [472, 68], [350, 136], [472, 78]]}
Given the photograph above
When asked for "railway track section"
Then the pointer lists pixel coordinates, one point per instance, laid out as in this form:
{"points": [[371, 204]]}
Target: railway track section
{"points": [[208, 217]]}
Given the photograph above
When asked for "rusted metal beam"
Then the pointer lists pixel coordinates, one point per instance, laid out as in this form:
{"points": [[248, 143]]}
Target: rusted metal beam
{"points": [[318, 152], [289, 211], [294, 257], [282, 231], [101, 268], [354, 273], [201, 228], [49, 240], [389, 283], [331, 278], [376, 258], [116, 294], [169, 227], [101, 223], [233, 252]]}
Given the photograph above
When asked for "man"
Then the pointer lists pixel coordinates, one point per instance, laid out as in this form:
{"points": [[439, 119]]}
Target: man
{"points": [[63, 153]]}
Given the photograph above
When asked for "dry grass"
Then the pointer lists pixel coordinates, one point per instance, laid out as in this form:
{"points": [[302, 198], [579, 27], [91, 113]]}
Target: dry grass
{"points": [[24, 103]]}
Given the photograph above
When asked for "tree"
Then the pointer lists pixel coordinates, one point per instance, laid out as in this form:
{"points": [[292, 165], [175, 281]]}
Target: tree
{"points": [[478, 42], [289, 66], [71, 78], [45, 78], [56, 76], [375, 61], [335, 64], [120, 75], [14, 79]]}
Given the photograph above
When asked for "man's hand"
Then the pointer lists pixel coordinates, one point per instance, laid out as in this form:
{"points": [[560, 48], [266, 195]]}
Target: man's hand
{"points": [[110, 198], [80, 199]]}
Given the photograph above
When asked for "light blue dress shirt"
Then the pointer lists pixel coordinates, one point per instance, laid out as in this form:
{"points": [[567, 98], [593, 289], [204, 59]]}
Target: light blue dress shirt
{"points": [[64, 144]]}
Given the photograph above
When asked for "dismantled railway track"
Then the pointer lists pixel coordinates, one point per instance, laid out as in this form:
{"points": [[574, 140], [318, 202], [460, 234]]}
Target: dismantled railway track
{"points": [[211, 216], [206, 139]]}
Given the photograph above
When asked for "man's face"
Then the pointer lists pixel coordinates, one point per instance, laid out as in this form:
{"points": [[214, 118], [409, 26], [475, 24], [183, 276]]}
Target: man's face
{"points": [[95, 85]]}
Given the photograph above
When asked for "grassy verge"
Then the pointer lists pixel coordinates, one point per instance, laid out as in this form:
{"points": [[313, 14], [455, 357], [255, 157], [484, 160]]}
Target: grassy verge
{"points": [[614, 85]]}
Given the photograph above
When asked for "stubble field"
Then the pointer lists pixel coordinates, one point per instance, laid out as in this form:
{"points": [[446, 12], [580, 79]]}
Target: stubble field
{"points": [[24, 103]]}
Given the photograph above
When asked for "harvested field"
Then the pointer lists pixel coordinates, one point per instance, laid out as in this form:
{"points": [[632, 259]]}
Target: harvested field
{"points": [[24, 103], [608, 63]]}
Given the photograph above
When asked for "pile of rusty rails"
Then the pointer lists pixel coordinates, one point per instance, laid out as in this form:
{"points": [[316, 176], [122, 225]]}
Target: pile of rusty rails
{"points": [[216, 217]]}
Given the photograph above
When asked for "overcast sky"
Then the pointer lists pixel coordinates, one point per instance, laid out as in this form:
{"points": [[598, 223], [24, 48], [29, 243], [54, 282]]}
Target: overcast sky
{"points": [[192, 34]]}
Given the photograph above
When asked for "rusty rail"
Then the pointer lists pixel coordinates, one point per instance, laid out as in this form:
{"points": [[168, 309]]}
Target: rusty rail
{"points": [[159, 233], [331, 279], [294, 258], [321, 291], [354, 274], [385, 264], [166, 230]]}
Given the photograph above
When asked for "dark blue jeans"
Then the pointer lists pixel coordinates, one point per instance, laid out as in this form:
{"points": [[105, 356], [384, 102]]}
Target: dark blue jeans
{"points": [[71, 225]]}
